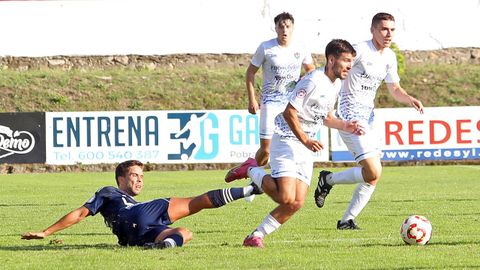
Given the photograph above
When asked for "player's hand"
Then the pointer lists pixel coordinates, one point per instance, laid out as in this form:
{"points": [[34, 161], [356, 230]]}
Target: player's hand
{"points": [[417, 104], [354, 127], [33, 235], [314, 145], [253, 107]]}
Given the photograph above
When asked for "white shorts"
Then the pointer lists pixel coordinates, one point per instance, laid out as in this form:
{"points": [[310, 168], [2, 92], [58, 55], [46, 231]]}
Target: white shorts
{"points": [[268, 112], [363, 146], [290, 158]]}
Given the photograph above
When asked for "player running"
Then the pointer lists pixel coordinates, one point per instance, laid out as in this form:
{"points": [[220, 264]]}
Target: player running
{"points": [[281, 60], [374, 62], [294, 143]]}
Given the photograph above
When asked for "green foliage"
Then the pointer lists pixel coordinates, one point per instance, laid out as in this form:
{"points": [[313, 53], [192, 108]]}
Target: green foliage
{"points": [[58, 99], [438, 85], [309, 240], [199, 88], [400, 59], [135, 105]]}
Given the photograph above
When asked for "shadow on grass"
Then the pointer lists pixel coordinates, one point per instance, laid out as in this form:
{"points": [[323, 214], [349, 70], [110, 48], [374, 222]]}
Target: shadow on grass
{"points": [[404, 215], [58, 235], [30, 204], [382, 201], [435, 243], [59, 247], [430, 267], [432, 200]]}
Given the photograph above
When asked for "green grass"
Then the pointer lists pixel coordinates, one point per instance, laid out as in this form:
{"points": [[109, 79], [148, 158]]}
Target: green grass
{"points": [[438, 85], [120, 89], [199, 88], [447, 195]]}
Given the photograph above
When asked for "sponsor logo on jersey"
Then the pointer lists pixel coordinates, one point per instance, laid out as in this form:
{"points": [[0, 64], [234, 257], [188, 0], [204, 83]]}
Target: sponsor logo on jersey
{"points": [[301, 93]]}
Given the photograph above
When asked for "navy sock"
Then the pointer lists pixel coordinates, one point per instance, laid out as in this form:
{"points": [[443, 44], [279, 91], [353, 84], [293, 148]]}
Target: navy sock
{"points": [[220, 197]]}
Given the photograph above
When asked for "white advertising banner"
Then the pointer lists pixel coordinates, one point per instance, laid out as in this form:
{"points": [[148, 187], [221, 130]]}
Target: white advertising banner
{"points": [[441, 133], [213, 136]]}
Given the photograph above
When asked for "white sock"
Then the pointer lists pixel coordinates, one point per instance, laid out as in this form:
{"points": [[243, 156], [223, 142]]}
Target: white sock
{"points": [[349, 176], [257, 174], [268, 225], [360, 198], [247, 191], [170, 243]]}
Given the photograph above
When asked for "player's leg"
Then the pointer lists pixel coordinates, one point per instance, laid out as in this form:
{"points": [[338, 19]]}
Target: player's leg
{"points": [[291, 201], [175, 237], [263, 153], [147, 224], [362, 147], [267, 183], [169, 237], [286, 157], [182, 207], [372, 169], [292, 173], [268, 112], [281, 214]]}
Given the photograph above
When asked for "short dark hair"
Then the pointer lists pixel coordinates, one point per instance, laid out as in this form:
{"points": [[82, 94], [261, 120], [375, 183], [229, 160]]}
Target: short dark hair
{"points": [[382, 16], [283, 17], [339, 46], [123, 167]]}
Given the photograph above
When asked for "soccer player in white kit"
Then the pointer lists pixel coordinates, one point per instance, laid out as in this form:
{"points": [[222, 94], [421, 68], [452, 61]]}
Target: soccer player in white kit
{"points": [[293, 142], [375, 62], [281, 59]]}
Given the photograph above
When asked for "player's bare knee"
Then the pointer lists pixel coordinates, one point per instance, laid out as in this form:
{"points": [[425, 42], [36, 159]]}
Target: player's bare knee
{"points": [[297, 205], [286, 199], [294, 206], [262, 161], [262, 156], [372, 174]]}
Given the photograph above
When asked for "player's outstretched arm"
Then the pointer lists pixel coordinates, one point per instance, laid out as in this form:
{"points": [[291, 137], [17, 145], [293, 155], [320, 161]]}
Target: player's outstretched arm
{"points": [[400, 95], [66, 221]]}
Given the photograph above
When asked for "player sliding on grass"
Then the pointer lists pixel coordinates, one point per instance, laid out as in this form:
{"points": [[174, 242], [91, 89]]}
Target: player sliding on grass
{"points": [[146, 223], [293, 143]]}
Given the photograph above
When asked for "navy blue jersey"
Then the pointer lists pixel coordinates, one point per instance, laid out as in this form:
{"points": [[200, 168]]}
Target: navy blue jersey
{"points": [[134, 223], [108, 201]]}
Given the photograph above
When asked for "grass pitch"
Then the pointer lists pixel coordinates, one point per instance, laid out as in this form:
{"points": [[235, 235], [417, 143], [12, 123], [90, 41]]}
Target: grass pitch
{"points": [[448, 195]]}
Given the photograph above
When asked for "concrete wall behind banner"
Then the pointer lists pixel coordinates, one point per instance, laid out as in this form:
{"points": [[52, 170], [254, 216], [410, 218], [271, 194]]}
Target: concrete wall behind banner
{"points": [[111, 27], [22, 138], [441, 133]]}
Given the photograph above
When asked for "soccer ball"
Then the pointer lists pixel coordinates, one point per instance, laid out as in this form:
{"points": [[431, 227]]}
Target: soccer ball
{"points": [[416, 230]]}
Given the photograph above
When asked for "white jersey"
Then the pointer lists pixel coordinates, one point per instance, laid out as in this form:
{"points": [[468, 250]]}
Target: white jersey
{"points": [[281, 69], [313, 97], [369, 69]]}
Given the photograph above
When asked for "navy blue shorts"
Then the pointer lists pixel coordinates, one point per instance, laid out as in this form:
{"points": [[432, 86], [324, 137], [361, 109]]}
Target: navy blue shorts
{"points": [[143, 222]]}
